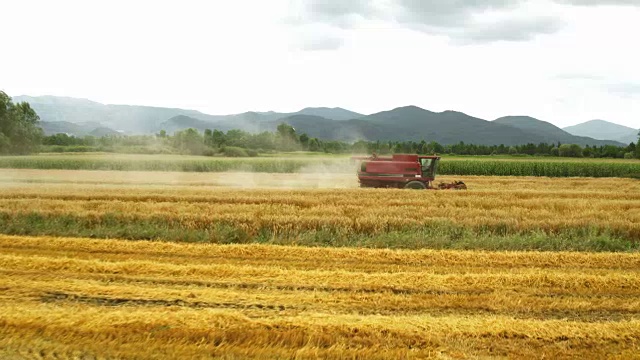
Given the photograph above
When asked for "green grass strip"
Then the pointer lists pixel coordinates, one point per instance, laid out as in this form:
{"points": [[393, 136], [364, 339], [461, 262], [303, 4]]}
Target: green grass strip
{"points": [[480, 166], [442, 235]]}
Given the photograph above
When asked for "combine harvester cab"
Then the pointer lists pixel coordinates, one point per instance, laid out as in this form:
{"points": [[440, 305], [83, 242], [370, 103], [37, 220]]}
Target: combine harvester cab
{"points": [[401, 171]]}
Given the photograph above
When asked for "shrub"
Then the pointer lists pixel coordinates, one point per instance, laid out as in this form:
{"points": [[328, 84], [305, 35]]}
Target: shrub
{"points": [[570, 150], [234, 151], [209, 152], [72, 148]]}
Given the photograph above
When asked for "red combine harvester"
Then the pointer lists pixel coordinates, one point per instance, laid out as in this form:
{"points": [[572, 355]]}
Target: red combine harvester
{"points": [[402, 171]]}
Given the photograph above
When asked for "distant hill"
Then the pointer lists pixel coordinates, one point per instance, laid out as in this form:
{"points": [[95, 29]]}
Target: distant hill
{"points": [[62, 127], [250, 121], [410, 123], [604, 130], [549, 132], [81, 129], [448, 127], [322, 128], [181, 122], [146, 119], [103, 131], [130, 119], [70, 115], [533, 125], [629, 138], [336, 113]]}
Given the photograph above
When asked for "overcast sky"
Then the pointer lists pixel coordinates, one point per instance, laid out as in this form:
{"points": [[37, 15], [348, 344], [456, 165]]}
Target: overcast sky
{"points": [[563, 61]]}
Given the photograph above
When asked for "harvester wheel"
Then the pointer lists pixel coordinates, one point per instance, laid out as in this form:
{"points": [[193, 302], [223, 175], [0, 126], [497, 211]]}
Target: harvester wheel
{"points": [[416, 185]]}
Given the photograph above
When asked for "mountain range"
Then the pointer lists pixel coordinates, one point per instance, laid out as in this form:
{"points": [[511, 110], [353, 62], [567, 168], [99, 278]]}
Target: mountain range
{"points": [[84, 117], [604, 130]]}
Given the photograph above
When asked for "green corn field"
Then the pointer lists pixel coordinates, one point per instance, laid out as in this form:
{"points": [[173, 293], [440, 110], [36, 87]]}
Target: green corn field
{"points": [[448, 166], [540, 168]]}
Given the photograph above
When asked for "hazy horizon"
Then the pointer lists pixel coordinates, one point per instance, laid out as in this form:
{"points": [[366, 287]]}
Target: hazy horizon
{"points": [[310, 107]]}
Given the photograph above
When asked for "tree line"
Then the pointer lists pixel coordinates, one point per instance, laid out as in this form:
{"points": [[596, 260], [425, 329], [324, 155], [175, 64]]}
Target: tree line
{"points": [[542, 149], [285, 138], [19, 131]]}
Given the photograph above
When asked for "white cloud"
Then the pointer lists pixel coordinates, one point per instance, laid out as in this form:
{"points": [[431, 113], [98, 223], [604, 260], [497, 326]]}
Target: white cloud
{"points": [[220, 57], [312, 37]]}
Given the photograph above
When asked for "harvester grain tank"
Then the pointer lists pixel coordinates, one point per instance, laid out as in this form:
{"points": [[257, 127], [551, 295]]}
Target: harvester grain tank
{"points": [[406, 171]]}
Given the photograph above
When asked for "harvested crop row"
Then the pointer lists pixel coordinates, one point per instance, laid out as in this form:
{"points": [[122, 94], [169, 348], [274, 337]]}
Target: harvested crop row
{"points": [[601, 282], [518, 216], [84, 297], [200, 182], [382, 259], [553, 215]]}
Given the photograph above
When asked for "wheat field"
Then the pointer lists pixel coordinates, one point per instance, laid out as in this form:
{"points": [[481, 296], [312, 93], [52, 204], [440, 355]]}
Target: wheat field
{"points": [[137, 265], [88, 298], [509, 213]]}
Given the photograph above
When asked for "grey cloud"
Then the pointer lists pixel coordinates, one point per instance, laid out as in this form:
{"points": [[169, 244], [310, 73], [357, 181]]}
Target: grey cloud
{"points": [[507, 29], [599, 2], [453, 19], [318, 25], [342, 14], [451, 13], [339, 8], [512, 30]]}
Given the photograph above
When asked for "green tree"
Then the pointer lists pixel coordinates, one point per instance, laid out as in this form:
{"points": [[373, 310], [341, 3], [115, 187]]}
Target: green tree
{"points": [[570, 150], [360, 147], [610, 151], [287, 138], [264, 140], [236, 137], [19, 130], [638, 147], [631, 147], [215, 138], [286, 131], [304, 141], [189, 141], [314, 144], [90, 140], [529, 149], [218, 138], [436, 147]]}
